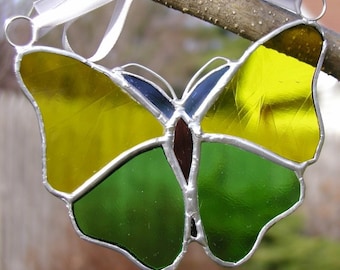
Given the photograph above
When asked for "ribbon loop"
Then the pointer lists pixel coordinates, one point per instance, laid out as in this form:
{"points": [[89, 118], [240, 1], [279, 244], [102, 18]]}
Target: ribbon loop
{"points": [[52, 13], [60, 11], [112, 33]]}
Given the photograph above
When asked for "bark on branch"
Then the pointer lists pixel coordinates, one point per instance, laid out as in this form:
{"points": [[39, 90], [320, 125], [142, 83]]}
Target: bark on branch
{"points": [[252, 19]]}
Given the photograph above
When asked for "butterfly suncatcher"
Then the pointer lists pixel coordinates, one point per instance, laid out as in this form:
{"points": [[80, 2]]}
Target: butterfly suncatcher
{"points": [[146, 173]]}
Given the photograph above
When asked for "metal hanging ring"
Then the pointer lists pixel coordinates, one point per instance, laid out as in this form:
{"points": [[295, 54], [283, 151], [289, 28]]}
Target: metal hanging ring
{"points": [[7, 31], [322, 13]]}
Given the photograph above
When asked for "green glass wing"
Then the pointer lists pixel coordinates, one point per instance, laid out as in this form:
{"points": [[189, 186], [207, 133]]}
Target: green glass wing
{"points": [[269, 101], [239, 194], [139, 208], [88, 120]]}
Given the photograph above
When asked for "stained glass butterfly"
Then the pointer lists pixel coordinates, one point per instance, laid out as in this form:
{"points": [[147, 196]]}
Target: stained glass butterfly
{"points": [[146, 173]]}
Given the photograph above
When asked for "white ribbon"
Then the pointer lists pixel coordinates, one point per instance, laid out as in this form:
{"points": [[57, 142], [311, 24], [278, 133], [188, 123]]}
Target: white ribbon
{"points": [[52, 13], [56, 12], [297, 7], [292, 5]]}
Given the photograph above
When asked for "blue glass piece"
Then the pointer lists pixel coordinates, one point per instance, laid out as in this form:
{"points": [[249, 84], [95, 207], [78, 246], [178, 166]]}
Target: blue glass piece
{"points": [[202, 90], [152, 94]]}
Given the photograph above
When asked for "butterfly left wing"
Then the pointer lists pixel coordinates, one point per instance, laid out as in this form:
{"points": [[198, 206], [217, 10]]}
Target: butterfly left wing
{"points": [[136, 209], [86, 117], [102, 135]]}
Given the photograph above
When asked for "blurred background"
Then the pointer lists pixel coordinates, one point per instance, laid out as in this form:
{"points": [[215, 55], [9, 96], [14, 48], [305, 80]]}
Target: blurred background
{"points": [[35, 232]]}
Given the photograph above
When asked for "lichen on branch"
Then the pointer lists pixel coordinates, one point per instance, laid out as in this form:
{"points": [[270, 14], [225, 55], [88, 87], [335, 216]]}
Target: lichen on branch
{"points": [[252, 19]]}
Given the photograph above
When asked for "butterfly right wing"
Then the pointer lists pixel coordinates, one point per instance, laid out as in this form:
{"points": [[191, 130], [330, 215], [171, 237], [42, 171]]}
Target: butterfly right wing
{"points": [[271, 98], [260, 129], [241, 195]]}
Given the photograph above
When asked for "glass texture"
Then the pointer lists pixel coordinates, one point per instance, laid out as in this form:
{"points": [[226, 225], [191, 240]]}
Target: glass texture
{"points": [[239, 193], [183, 147], [202, 90], [88, 119], [269, 102], [139, 207], [152, 94], [300, 38]]}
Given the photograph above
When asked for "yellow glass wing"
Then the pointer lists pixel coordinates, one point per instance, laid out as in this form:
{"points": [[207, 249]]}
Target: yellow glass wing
{"points": [[269, 101], [88, 119]]}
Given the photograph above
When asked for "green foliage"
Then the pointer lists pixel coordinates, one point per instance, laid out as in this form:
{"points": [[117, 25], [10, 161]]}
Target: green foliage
{"points": [[287, 247]]}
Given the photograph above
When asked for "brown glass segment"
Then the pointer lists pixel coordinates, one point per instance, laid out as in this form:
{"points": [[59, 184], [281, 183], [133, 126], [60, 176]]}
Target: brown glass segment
{"points": [[193, 228], [183, 146], [304, 42]]}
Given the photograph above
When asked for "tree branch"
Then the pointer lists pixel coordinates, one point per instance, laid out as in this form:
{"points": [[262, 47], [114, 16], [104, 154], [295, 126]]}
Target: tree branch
{"points": [[252, 19]]}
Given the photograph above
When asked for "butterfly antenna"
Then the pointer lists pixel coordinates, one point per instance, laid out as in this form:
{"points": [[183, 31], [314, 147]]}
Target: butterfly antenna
{"points": [[159, 77], [198, 74]]}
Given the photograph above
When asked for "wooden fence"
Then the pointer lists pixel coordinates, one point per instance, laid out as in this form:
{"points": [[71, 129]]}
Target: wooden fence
{"points": [[36, 233]]}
